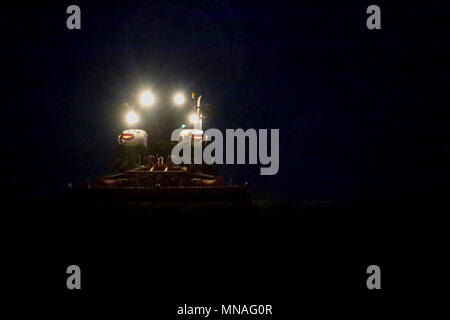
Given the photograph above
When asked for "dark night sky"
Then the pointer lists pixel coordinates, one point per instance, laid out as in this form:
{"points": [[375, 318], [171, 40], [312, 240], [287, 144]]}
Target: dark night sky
{"points": [[362, 114]]}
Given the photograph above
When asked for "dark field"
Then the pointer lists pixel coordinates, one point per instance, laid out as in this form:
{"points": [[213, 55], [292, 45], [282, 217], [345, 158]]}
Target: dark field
{"points": [[308, 256]]}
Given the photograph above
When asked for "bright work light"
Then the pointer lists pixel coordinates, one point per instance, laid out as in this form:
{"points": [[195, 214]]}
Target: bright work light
{"points": [[147, 98], [193, 118], [179, 99], [132, 117]]}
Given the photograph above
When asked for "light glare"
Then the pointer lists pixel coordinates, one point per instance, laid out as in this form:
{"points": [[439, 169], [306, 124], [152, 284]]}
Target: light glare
{"points": [[193, 118], [132, 117], [179, 99], [147, 98]]}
